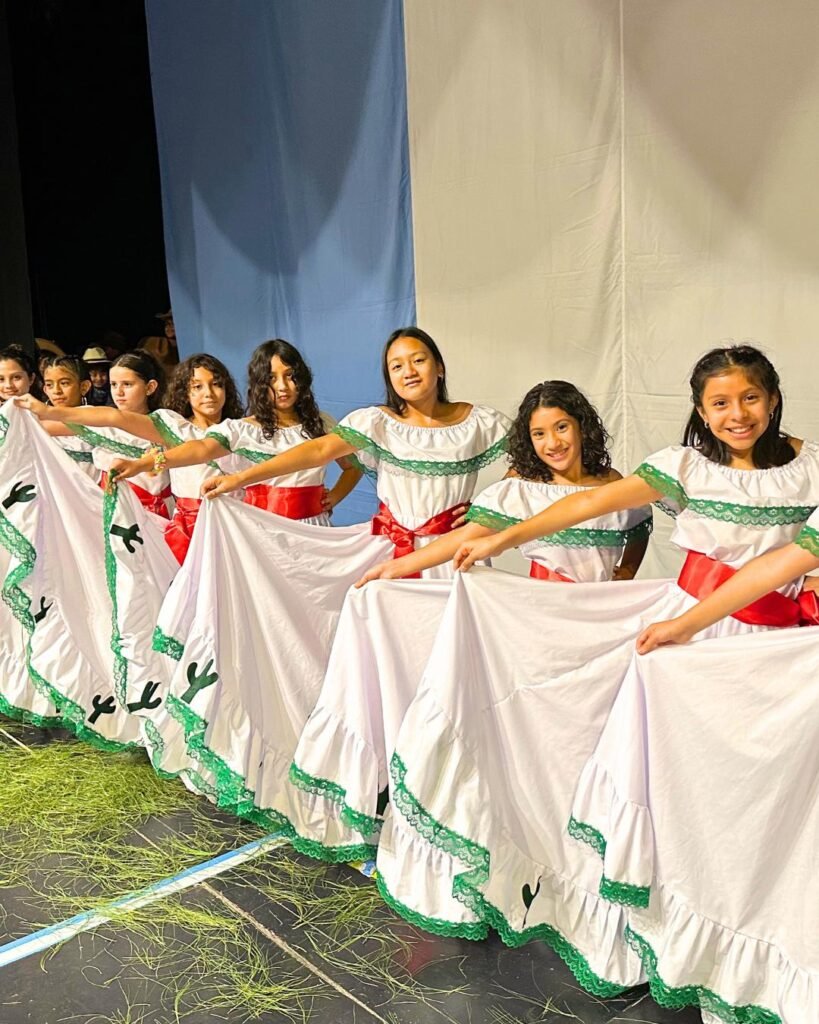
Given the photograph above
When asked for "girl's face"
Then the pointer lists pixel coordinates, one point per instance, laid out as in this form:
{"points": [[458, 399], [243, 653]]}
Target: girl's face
{"points": [[207, 395], [129, 391], [556, 438], [283, 390], [63, 388], [736, 410], [14, 381], [413, 372]]}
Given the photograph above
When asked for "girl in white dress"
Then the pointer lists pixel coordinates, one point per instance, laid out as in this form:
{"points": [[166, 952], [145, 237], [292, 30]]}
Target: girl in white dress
{"points": [[66, 382], [521, 683], [283, 413], [201, 393], [557, 446], [258, 599]]}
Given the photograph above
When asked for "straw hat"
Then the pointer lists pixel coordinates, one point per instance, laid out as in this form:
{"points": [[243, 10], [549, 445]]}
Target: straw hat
{"points": [[95, 356]]}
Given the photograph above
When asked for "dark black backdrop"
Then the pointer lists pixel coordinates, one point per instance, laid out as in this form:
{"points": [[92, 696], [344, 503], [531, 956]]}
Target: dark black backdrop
{"points": [[88, 167]]}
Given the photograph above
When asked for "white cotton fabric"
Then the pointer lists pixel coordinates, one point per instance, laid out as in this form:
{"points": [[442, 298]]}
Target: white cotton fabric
{"points": [[75, 447], [412, 493], [186, 482], [62, 527], [585, 560], [725, 839], [384, 638], [104, 455], [792, 486], [257, 600]]}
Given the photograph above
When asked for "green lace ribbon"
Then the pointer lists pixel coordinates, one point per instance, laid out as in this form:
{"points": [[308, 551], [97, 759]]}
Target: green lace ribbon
{"points": [[72, 715], [421, 467], [164, 644], [615, 892], [28, 717], [230, 792], [725, 511], [694, 995], [109, 507], [366, 824], [575, 537], [170, 436], [79, 456], [466, 888], [97, 440], [808, 538]]}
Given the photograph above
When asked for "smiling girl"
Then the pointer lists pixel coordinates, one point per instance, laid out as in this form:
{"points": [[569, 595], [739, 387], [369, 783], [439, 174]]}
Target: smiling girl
{"points": [[18, 374], [201, 392], [283, 414]]}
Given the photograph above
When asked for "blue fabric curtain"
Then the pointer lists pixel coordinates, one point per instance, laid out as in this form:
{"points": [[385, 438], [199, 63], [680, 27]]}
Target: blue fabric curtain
{"points": [[282, 132]]}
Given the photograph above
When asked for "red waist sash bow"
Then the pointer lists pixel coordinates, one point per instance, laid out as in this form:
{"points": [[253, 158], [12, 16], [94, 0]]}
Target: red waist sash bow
{"points": [[156, 503], [290, 502], [543, 572], [179, 530], [701, 576], [385, 524]]}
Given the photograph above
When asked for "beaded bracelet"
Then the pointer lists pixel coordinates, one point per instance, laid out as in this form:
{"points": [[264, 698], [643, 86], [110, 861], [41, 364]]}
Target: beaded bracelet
{"points": [[159, 460]]}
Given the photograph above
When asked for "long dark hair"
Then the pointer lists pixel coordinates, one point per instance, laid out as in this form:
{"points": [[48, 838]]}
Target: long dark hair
{"points": [[147, 368], [177, 392], [392, 399], [17, 354], [558, 394], [772, 448], [259, 402]]}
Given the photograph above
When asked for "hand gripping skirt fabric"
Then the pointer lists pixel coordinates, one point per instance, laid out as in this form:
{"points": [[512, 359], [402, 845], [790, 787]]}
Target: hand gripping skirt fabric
{"points": [[516, 692], [51, 526], [247, 625], [707, 821]]}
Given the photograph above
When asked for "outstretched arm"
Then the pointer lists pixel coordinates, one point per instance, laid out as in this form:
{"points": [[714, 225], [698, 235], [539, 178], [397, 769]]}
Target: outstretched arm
{"points": [[436, 553], [308, 455], [630, 492], [760, 576], [189, 453], [93, 416], [632, 559]]}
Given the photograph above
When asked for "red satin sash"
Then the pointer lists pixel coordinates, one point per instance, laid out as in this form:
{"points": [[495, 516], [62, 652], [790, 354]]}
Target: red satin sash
{"points": [[701, 576], [179, 530], [290, 502], [385, 524], [543, 572], [156, 503]]}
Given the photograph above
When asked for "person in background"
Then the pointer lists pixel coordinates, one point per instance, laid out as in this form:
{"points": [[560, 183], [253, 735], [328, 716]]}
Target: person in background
{"points": [[163, 348], [98, 364]]}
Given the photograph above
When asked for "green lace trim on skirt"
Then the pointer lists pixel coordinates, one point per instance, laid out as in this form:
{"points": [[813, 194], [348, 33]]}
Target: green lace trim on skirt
{"points": [[79, 456], [466, 889], [694, 995], [615, 892], [28, 717], [72, 715], [230, 793], [363, 823], [164, 644], [584, 833], [421, 467], [109, 507]]}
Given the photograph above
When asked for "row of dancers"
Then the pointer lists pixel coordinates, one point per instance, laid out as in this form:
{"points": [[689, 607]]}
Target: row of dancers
{"points": [[275, 696]]}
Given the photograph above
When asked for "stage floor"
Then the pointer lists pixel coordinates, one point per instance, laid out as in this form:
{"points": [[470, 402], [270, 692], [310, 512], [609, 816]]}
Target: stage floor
{"points": [[277, 938]]}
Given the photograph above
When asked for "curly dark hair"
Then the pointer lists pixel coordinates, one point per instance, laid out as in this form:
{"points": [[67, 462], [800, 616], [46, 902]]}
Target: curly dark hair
{"points": [[773, 447], [177, 393], [145, 366], [558, 394], [17, 354], [259, 402], [392, 399]]}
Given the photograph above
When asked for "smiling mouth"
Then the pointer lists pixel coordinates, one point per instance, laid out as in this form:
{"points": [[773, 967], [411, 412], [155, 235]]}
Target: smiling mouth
{"points": [[558, 455]]}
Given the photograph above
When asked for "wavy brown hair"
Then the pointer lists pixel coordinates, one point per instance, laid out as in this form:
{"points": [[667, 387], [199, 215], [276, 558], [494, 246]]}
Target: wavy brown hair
{"points": [[17, 354], [259, 402], [558, 394], [772, 448], [177, 393]]}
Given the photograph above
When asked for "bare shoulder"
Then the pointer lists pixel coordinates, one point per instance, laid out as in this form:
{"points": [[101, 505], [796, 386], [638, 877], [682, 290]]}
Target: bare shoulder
{"points": [[612, 476], [796, 443], [510, 474]]}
